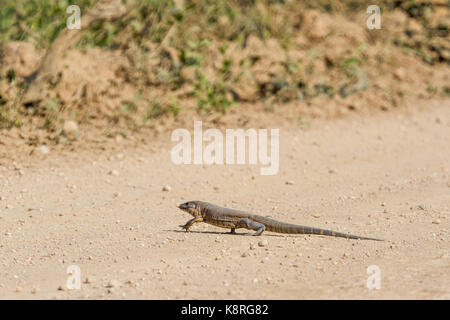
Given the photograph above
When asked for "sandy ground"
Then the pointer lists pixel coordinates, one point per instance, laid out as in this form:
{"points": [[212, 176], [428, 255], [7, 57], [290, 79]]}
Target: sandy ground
{"points": [[385, 176]]}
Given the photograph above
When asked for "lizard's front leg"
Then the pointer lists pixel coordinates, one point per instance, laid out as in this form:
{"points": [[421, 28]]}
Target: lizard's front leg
{"points": [[189, 224]]}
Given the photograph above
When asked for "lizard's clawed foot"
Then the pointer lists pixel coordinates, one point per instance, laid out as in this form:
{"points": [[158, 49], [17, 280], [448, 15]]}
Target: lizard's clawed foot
{"points": [[183, 226]]}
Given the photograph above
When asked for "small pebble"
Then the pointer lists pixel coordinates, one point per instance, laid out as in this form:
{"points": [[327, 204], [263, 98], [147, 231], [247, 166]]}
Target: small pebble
{"points": [[70, 127], [113, 173], [44, 149], [119, 139], [113, 284], [263, 243]]}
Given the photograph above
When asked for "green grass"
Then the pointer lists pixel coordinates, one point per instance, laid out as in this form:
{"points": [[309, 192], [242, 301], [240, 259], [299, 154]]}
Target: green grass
{"points": [[190, 34], [36, 20]]}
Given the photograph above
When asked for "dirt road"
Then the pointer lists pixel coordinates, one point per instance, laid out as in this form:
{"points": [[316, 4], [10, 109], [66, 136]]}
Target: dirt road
{"points": [[386, 176]]}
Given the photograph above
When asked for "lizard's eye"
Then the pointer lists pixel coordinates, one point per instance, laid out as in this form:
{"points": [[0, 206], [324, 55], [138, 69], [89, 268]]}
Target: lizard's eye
{"points": [[188, 205], [191, 205]]}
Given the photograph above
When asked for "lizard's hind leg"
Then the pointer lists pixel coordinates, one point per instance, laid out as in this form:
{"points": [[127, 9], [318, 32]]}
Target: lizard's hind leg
{"points": [[252, 225]]}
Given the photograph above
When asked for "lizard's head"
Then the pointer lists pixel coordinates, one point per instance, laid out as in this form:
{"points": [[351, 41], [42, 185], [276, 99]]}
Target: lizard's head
{"points": [[191, 207]]}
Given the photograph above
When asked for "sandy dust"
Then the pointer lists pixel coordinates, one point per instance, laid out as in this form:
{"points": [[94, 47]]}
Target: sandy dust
{"points": [[386, 176]]}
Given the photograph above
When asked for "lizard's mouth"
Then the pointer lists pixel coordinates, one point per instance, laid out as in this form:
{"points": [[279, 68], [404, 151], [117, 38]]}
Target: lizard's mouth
{"points": [[183, 206]]}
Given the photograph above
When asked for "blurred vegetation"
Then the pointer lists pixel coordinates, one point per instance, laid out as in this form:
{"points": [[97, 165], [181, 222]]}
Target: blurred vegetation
{"points": [[185, 32], [41, 20], [38, 21]]}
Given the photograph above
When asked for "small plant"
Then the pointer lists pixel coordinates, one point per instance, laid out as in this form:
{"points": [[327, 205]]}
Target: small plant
{"points": [[431, 88], [128, 107], [154, 110], [191, 53], [212, 96], [446, 91], [215, 95], [7, 118], [350, 63], [174, 106], [11, 75], [52, 108]]}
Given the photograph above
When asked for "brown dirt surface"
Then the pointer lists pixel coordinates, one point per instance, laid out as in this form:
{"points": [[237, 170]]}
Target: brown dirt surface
{"points": [[385, 176], [332, 65], [86, 177]]}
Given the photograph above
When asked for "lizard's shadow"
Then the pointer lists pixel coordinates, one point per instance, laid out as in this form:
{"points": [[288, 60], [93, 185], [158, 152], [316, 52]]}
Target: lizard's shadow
{"points": [[233, 234]]}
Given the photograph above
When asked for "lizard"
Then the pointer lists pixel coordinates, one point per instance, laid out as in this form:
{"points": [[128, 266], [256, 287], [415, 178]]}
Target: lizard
{"points": [[235, 219]]}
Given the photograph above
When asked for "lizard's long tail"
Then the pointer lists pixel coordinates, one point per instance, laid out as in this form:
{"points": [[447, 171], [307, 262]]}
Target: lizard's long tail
{"points": [[282, 227]]}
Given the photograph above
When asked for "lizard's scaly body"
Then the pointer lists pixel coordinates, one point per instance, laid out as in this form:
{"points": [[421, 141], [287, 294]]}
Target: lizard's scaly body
{"points": [[234, 219]]}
